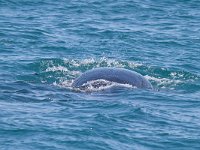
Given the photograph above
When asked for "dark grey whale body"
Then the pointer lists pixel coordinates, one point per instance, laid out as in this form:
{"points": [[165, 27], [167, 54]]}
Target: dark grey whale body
{"points": [[118, 75]]}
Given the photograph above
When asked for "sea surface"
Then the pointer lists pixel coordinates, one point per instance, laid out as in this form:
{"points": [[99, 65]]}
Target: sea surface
{"points": [[46, 44]]}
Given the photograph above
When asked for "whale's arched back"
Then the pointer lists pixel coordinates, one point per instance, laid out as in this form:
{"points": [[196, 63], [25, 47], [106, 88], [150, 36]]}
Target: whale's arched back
{"points": [[118, 75]]}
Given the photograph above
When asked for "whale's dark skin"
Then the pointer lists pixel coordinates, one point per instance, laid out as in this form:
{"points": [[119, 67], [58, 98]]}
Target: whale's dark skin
{"points": [[118, 75]]}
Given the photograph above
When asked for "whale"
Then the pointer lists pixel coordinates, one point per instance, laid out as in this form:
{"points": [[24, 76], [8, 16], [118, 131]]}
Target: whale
{"points": [[112, 74]]}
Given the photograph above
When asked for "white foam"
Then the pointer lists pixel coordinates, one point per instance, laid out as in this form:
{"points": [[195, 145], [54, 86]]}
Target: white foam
{"points": [[90, 86], [163, 81], [57, 68], [101, 61]]}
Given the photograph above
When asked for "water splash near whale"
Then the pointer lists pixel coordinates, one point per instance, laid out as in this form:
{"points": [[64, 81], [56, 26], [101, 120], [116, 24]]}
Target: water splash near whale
{"points": [[62, 72]]}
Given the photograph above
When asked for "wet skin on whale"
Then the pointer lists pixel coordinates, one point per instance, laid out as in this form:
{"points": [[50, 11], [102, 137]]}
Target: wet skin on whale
{"points": [[118, 75]]}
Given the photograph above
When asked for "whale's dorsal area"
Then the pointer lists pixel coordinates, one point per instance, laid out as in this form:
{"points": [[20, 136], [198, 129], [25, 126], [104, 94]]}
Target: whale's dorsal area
{"points": [[118, 75]]}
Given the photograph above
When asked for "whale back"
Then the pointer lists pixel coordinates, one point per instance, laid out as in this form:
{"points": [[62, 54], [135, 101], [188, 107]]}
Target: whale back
{"points": [[118, 75]]}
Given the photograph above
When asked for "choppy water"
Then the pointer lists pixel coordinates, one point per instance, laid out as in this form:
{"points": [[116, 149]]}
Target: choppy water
{"points": [[45, 45]]}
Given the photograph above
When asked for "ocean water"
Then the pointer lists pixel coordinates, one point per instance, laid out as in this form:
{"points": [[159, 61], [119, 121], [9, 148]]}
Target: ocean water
{"points": [[46, 44]]}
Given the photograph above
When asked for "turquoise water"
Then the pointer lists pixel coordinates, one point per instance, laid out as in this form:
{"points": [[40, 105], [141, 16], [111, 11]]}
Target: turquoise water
{"points": [[45, 45]]}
